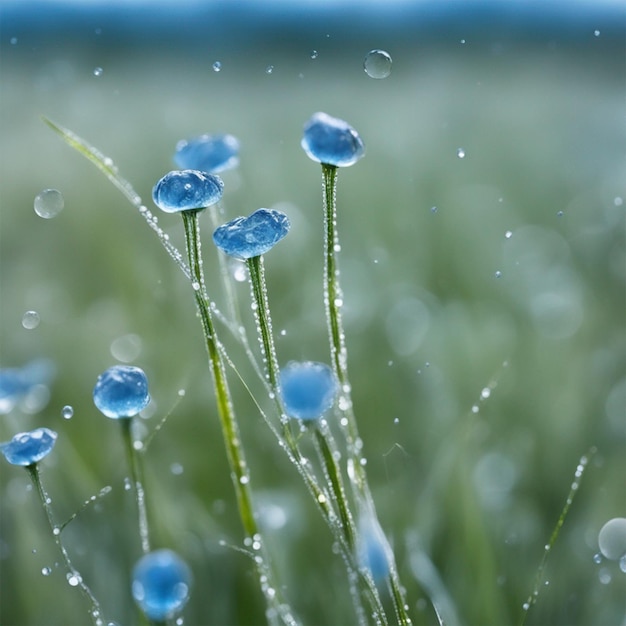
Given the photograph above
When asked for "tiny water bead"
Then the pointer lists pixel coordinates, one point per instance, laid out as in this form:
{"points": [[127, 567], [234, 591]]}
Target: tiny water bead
{"points": [[187, 190], [30, 320], [248, 237], [314, 54], [308, 389], [49, 203], [331, 141], [269, 69], [29, 447], [612, 539], [377, 64], [161, 584], [460, 152], [208, 153], [217, 66], [98, 71], [121, 391], [67, 412]]}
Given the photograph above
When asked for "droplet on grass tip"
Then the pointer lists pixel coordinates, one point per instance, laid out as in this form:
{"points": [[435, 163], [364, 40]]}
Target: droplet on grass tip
{"points": [[121, 391], [331, 141], [248, 237], [308, 389], [612, 539], [161, 584], [49, 203], [377, 64], [67, 412], [208, 153], [29, 447], [185, 190], [30, 320]]}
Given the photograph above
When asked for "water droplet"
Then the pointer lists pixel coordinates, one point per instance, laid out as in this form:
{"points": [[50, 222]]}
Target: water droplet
{"points": [[73, 579], [314, 54], [618, 201], [217, 66], [127, 484], [56, 531], [46, 571], [596, 33], [49, 203], [498, 274], [244, 480], [13, 41], [612, 539], [121, 391], [126, 348], [67, 412], [195, 286], [604, 576], [462, 41], [269, 69], [177, 469], [321, 498], [597, 558], [433, 209], [30, 320], [181, 392], [559, 213], [377, 64], [475, 408], [460, 152], [485, 393], [97, 71]]}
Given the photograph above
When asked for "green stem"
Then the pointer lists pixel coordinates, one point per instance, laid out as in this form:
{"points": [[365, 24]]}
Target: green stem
{"points": [[76, 578], [136, 473], [333, 301], [277, 610]]}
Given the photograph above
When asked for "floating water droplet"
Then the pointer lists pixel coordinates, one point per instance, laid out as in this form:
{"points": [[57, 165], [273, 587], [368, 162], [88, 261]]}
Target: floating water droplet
{"points": [[46, 571], [161, 583], [596, 33], [559, 213], [181, 392], [217, 66], [604, 576], [121, 391], [98, 71], [30, 320], [618, 201], [377, 64], [433, 209], [49, 203], [67, 412], [462, 41], [177, 469], [508, 234], [460, 152], [612, 539], [314, 54], [269, 69], [597, 558], [475, 408], [498, 274]]}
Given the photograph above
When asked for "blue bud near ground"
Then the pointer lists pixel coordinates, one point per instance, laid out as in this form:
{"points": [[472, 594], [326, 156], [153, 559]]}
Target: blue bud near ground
{"points": [[307, 388], [121, 391], [161, 584], [208, 153], [29, 447], [247, 237], [187, 190], [331, 141]]}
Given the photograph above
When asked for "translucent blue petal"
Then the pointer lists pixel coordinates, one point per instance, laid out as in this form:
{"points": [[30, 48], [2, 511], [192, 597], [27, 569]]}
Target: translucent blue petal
{"points": [[121, 391], [161, 584], [184, 190], [28, 448], [307, 388], [247, 237], [208, 153], [332, 141], [374, 551]]}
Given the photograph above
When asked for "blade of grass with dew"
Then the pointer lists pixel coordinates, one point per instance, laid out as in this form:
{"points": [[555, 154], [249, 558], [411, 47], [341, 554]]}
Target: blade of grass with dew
{"points": [[109, 169], [580, 470]]}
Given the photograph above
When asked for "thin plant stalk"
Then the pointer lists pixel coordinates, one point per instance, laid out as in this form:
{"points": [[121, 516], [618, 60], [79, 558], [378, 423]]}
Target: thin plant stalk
{"points": [[75, 578], [323, 440], [333, 301], [136, 473], [230, 428]]}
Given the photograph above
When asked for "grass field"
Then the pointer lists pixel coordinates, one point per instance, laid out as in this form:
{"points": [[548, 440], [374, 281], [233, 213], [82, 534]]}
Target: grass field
{"points": [[484, 312]]}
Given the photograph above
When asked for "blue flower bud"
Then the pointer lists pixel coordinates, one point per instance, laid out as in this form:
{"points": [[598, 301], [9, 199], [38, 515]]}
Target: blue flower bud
{"points": [[331, 141], [308, 389], [121, 391], [29, 448], [187, 190]]}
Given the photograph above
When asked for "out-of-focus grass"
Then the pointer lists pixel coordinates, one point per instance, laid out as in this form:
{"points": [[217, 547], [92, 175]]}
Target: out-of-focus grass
{"points": [[439, 305]]}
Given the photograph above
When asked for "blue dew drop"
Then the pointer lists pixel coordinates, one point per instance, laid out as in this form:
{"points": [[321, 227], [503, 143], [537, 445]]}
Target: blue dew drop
{"points": [[331, 141], [308, 389], [29, 447], [377, 64], [612, 539], [161, 584], [247, 237], [208, 153], [187, 190], [49, 203], [121, 391]]}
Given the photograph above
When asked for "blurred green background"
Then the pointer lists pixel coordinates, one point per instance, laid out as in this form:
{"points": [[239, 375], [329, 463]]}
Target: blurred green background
{"points": [[498, 274]]}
